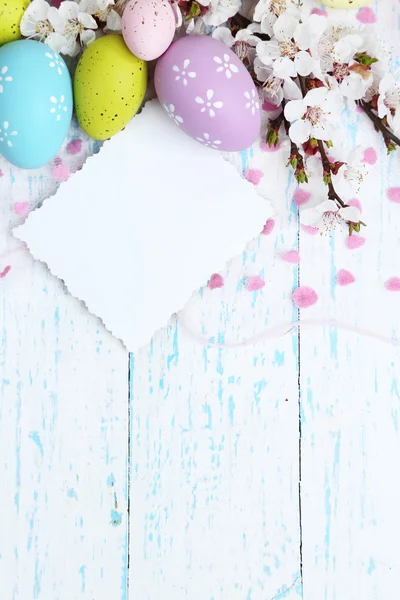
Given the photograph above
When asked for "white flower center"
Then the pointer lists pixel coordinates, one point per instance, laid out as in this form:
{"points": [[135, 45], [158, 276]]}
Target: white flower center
{"points": [[313, 114], [288, 48], [277, 7], [43, 28], [340, 71]]}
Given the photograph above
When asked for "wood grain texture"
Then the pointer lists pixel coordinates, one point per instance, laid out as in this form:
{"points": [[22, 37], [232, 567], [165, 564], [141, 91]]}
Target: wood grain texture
{"points": [[63, 445], [214, 507]]}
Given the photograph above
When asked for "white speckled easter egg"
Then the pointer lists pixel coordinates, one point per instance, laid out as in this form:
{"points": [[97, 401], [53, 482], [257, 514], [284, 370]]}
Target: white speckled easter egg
{"points": [[148, 27], [35, 103], [208, 93], [346, 3]]}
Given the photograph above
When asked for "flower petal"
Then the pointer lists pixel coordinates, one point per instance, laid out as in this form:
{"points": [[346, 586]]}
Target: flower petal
{"points": [[69, 10], [294, 110], [114, 22], [87, 20], [316, 96], [300, 131], [223, 34], [284, 27], [284, 68], [87, 37], [351, 214], [304, 63]]}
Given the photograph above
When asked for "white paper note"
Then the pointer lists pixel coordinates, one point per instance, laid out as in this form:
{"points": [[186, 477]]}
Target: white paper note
{"points": [[144, 224]]}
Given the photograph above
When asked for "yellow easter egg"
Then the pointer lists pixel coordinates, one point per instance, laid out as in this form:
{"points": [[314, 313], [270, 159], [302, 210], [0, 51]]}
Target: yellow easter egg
{"points": [[109, 87], [346, 3], [11, 12]]}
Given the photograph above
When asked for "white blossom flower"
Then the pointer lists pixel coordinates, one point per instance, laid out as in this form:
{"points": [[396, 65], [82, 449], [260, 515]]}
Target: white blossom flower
{"points": [[389, 101], [182, 73], [104, 10], [274, 88], [72, 24], [225, 65], [36, 23], [287, 50], [336, 45], [351, 174], [207, 141], [327, 214], [207, 104], [219, 11], [313, 116], [4, 78], [353, 79], [5, 134], [243, 44], [170, 108], [267, 12]]}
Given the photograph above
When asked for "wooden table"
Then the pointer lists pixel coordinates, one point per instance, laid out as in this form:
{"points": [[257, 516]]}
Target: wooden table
{"points": [[190, 470]]}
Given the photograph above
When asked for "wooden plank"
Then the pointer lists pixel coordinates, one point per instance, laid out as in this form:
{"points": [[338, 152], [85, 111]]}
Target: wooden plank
{"points": [[63, 444], [350, 394], [214, 443]]}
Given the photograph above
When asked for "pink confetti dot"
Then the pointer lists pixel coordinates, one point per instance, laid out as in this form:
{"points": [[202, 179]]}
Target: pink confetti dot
{"points": [[5, 272], [310, 230], [254, 283], [344, 277], [304, 296], [268, 227], [393, 194], [74, 146], [355, 241], [319, 11], [300, 197], [393, 284], [61, 172], [268, 106], [21, 208], [366, 15], [355, 202], [254, 176], [216, 281], [292, 256], [1, 173], [370, 157], [264, 146]]}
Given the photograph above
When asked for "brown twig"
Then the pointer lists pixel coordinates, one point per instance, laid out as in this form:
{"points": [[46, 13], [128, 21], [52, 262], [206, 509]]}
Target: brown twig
{"points": [[326, 166]]}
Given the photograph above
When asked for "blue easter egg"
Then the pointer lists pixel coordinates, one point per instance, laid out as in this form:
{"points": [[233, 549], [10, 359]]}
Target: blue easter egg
{"points": [[36, 103]]}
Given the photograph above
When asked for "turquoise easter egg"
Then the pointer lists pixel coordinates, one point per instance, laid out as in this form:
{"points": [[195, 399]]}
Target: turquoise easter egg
{"points": [[36, 103]]}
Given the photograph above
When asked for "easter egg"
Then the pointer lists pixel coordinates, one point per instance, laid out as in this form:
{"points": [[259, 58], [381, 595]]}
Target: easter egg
{"points": [[35, 103], [206, 90], [11, 12], [148, 27], [109, 86], [346, 3]]}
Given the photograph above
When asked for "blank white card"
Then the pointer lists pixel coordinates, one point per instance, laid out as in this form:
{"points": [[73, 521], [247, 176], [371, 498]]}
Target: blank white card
{"points": [[144, 224]]}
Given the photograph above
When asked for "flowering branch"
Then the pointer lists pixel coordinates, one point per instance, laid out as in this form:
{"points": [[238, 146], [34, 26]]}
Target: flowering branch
{"points": [[379, 124]]}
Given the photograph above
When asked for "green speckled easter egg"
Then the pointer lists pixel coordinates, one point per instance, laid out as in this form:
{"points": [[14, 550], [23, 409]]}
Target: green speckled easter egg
{"points": [[11, 12], [109, 87]]}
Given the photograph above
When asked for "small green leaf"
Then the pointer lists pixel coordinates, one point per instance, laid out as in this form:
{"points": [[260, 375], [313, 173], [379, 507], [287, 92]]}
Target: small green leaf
{"points": [[329, 143], [364, 59]]}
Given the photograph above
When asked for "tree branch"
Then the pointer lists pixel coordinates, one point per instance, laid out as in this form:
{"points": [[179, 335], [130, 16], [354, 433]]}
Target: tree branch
{"points": [[377, 121]]}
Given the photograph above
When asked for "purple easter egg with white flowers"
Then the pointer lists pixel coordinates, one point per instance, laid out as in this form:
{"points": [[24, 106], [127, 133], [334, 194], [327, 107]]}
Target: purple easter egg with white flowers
{"points": [[207, 91]]}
